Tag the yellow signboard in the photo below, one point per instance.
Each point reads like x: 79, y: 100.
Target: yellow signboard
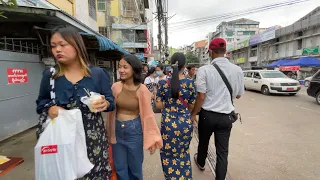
x: 241, y: 60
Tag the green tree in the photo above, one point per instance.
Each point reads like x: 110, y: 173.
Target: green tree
x: 7, y: 3
x: 191, y: 58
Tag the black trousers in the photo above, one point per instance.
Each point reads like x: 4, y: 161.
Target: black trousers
x: 220, y: 125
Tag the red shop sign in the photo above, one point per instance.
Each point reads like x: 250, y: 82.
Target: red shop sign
x: 289, y: 68
x: 17, y: 75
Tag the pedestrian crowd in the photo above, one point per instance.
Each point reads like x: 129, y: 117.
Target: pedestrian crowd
x: 131, y: 104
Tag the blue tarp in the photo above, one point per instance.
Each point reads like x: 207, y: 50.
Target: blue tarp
x: 106, y: 44
x: 140, y: 56
x: 304, y: 62
x: 279, y: 63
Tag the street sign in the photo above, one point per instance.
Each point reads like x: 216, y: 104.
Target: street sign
x: 17, y: 75
x: 289, y: 68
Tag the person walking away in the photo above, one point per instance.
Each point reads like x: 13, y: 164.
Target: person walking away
x: 72, y: 78
x: 160, y: 73
x: 191, y: 72
x: 176, y: 96
x: 132, y: 123
x: 214, y: 100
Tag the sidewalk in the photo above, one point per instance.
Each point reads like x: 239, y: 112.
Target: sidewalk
x: 22, y: 146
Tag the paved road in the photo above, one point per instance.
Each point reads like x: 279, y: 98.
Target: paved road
x: 278, y: 140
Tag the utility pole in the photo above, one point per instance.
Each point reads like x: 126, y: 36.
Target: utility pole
x: 159, y: 14
x: 166, y: 35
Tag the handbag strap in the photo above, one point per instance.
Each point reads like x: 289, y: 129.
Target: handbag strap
x: 52, y: 81
x: 225, y: 80
x: 182, y: 101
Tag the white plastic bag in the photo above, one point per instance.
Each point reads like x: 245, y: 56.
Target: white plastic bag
x: 61, y: 152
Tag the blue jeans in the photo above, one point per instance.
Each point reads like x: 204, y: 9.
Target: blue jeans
x: 128, y: 152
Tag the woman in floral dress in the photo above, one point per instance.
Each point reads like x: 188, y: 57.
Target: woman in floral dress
x: 176, y: 96
x: 73, y: 75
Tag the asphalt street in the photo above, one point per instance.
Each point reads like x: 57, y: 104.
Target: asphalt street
x: 278, y: 140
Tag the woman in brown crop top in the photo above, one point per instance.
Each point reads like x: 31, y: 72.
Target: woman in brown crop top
x: 128, y: 151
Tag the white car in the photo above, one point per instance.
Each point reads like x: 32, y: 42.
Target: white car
x: 270, y: 82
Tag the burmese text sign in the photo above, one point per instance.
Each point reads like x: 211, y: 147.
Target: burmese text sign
x: 17, y: 75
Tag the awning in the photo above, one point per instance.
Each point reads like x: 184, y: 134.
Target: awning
x: 52, y: 17
x: 304, y: 62
x: 278, y: 63
x: 106, y: 44
x: 55, y: 17
x: 140, y: 56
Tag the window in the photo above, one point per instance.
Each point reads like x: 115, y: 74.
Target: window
x: 299, y: 44
x: 256, y: 75
x: 102, y: 5
x: 317, y: 76
x: 92, y: 9
x: 253, y: 53
x: 249, y: 74
x: 103, y: 31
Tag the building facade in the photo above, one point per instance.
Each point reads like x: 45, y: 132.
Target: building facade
x: 236, y: 30
x: 302, y: 38
x: 200, y: 51
x: 128, y: 23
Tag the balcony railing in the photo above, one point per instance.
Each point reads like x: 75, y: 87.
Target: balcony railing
x: 22, y: 45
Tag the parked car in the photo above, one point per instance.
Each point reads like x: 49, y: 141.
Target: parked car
x: 270, y: 82
x: 314, y: 87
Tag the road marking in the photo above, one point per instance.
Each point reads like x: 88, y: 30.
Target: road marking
x: 308, y: 109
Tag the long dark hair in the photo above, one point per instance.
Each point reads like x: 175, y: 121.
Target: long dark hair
x: 72, y: 36
x: 178, y: 61
x: 136, y: 65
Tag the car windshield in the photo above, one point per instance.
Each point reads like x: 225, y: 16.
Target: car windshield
x: 273, y: 74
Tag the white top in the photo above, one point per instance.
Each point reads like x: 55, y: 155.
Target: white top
x: 150, y: 83
x: 210, y: 82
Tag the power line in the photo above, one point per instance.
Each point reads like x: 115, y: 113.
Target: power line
x: 226, y: 16
x: 230, y: 15
x: 264, y: 6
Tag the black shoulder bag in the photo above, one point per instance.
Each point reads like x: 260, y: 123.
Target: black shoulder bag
x: 233, y: 115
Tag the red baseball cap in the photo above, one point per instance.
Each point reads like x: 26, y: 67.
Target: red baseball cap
x: 217, y: 43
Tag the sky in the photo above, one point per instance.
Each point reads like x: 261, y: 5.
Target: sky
x: 191, y: 9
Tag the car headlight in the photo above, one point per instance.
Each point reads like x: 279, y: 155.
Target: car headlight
x: 275, y: 84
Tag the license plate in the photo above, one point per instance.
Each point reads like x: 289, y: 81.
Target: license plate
x: 290, y: 89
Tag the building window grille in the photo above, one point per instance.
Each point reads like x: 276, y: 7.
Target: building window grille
x: 103, y: 31
x: 102, y: 5
x: 92, y: 9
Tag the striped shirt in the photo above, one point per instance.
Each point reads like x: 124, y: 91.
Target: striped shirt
x: 209, y: 81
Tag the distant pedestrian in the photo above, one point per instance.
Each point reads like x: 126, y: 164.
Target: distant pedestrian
x: 176, y: 98
x: 160, y: 73
x: 144, y: 72
x: 191, y: 72
x: 216, y: 104
x: 150, y: 81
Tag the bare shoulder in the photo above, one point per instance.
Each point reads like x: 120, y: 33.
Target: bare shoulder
x: 116, y: 84
x: 143, y: 88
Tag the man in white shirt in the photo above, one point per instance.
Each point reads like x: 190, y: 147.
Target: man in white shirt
x: 214, y: 101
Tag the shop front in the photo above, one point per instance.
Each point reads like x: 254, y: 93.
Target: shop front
x: 24, y: 54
